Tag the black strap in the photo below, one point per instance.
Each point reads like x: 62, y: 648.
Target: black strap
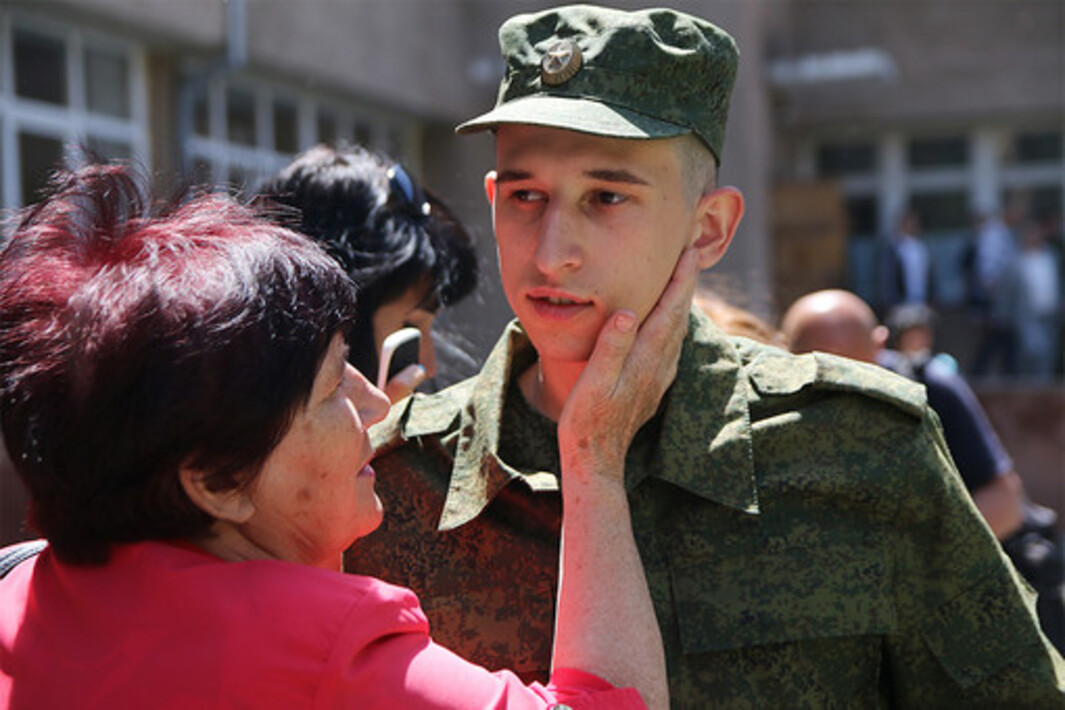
x: 19, y: 552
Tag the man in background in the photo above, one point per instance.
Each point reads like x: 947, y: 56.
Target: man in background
x: 841, y: 323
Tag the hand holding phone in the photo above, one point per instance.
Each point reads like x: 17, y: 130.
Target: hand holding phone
x: 399, y: 351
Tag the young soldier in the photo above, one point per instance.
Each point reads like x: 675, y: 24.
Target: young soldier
x: 806, y: 540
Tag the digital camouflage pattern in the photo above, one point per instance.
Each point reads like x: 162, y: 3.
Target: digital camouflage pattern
x: 646, y: 74
x: 806, y: 539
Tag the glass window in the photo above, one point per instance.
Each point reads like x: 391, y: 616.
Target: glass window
x: 938, y: 152
x: 111, y: 150
x: 327, y: 129
x: 39, y: 156
x: 1046, y: 202
x: 40, y: 67
x: 240, y: 181
x: 107, y: 83
x: 286, y: 127
x: 1040, y: 202
x: 200, y: 172
x: 240, y: 116
x: 201, y: 114
x: 863, y: 215
x: 1038, y: 147
x: 942, y: 211
x: 841, y: 159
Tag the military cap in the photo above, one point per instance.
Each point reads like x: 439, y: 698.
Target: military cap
x: 647, y: 74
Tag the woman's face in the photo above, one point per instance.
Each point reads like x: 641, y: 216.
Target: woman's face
x: 315, y: 493
x: 409, y: 309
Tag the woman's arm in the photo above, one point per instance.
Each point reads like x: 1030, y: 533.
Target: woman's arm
x: 606, y: 622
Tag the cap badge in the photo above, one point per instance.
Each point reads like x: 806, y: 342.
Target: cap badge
x: 561, y: 62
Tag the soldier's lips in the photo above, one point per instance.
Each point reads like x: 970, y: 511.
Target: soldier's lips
x: 557, y: 306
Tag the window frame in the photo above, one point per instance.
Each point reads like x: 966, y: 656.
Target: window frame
x: 72, y: 123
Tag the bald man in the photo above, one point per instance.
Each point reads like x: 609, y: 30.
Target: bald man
x: 841, y: 323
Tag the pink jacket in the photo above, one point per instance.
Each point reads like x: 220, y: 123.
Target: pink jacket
x: 169, y: 626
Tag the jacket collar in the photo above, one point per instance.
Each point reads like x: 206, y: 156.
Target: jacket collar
x: 705, y: 447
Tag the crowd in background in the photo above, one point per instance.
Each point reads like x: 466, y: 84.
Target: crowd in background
x: 1014, y: 298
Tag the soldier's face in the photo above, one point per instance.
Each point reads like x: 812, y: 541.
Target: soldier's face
x: 584, y: 226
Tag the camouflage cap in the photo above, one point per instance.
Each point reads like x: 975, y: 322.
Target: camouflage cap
x: 647, y: 74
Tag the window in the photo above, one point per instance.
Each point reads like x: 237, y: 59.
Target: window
x: 838, y: 160
x: 107, y: 83
x: 327, y: 129
x: 109, y: 149
x: 69, y: 88
x: 931, y: 153
x: 40, y: 67
x: 1041, y: 202
x: 1039, y: 147
x: 286, y: 127
x: 863, y: 215
x: 38, y: 156
x: 245, y: 129
x: 942, y: 211
x: 201, y: 117
x: 240, y: 116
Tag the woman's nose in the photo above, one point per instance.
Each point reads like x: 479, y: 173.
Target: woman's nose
x: 371, y: 403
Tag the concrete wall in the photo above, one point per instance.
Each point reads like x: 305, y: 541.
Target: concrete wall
x: 992, y: 58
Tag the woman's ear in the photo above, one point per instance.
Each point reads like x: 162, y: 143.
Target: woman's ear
x: 719, y: 214
x: 229, y: 504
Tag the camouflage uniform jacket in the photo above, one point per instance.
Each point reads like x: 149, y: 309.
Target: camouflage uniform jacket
x: 806, y: 539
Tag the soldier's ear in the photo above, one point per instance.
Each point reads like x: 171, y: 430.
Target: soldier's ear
x: 718, y: 215
x: 490, y: 186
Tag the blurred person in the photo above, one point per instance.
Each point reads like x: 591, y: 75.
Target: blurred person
x: 403, y: 247
x: 735, y: 320
x: 840, y: 323
x: 905, y: 273
x: 793, y: 557
x: 912, y: 335
x: 179, y: 403
x: 1036, y: 311
x: 988, y: 263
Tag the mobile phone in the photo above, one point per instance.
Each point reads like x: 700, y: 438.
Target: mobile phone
x: 400, y: 350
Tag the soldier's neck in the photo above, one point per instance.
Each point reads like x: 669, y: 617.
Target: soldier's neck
x: 546, y: 385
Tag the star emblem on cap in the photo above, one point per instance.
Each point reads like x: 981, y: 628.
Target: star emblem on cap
x: 560, y: 63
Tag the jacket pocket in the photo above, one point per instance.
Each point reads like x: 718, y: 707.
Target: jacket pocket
x: 781, y: 593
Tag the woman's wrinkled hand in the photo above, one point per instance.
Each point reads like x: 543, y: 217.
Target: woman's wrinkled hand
x: 629, y: 371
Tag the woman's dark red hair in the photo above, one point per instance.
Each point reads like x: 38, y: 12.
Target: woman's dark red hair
x: 135, y: 340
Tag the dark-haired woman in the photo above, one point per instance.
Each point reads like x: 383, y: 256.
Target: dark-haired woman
x: 401, y: 245
x: 177, y: 398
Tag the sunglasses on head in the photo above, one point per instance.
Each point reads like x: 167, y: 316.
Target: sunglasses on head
x: 402, y: 185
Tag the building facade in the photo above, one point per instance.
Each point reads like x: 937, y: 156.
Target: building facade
x: 843, y: 113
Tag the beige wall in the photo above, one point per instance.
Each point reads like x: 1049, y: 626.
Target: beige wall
x: 967, y: 60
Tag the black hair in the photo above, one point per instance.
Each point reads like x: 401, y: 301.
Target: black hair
x: 376, y: 224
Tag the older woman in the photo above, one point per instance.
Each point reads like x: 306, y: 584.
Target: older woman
x: 176, y: 396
